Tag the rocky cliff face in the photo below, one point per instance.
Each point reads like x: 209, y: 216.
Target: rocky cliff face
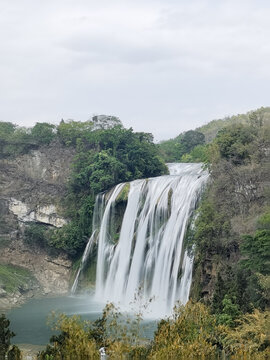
x: 50, y: 274
x: 32, y: 187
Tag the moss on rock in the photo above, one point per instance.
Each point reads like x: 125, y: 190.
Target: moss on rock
x: 123, y: 195
x: 13, y: 278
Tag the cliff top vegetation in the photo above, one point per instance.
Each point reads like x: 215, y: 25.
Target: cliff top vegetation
x: 106, y: 154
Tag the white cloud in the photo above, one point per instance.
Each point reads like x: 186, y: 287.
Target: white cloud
x: 161, y: 66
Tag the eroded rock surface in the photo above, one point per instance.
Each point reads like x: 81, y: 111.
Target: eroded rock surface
x: 32, y: 188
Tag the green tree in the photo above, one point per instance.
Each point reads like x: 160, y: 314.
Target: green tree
x: 5, y: 336
x: 35, y: 234
x: 234, y: 142
x: 43, y: 133
x: 6, y: 130
x: 73, y: 342
x: 170, y: 150
x: 257, y: 250
x: 191, y: 333
x: 105, y: 157
x: 230, y: 312
x: 191, y: 139
x: 71, y: 130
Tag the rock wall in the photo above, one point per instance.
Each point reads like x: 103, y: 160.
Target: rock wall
x: 32, y: 187
x: 52, y: 274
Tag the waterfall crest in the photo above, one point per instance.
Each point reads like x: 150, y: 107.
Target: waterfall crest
x: 149, y: 258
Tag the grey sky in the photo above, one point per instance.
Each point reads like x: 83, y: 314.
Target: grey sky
x: 161, y: 66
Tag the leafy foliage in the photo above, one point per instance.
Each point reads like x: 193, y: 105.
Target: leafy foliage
x: 234, y: 142
x: 6, y: 130
x: 192, y: 332
x: 230, y: 312
x: 257, y: 250
x: 19, y: 140
x: 232, y: 255
x: 36, y: 234
x: 186, y: 147
x: 175, y: 149
x: 70, y: 131
x: 81, y: 339
x: 197, y: 154
x: 191, y: 139
x: 105, y: 157
x: 69, y: 238
x: 249, y: 339
x: 211, y: 129
x: 72, y: 343
x: 6, y: 351
x: 43, y: 133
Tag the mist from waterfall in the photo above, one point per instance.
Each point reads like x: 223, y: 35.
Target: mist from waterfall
x: 148, y: 263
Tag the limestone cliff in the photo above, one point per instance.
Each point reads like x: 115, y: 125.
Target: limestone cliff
x: 32, y: 187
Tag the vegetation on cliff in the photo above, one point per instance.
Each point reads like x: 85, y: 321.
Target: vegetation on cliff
x: 15, y: 140
x: 106, y: 154
x: 104, y: 158
x: 14, y: 278
x: 231, y: 234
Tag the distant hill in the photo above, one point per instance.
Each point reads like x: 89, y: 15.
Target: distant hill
x: 172, y: 150
x: 211, y: 129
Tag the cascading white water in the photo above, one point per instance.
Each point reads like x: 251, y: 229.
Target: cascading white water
x: 98, y: 212
x: 149, y: 257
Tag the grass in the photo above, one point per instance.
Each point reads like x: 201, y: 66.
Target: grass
x: 13, y: 277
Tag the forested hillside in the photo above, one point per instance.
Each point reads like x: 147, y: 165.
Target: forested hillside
x: 232, y: 231
x: 191, y: 146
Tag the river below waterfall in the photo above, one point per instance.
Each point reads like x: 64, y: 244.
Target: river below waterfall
x: 29, y: 322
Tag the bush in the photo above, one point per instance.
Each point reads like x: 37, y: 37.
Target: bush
x: 43, y: 133
x: 7, y: 352
x: 36, y: 235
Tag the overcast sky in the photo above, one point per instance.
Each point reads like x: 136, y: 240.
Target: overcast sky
x: 161, y: 66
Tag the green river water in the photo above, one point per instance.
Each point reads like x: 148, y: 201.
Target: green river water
x: 29, y: 322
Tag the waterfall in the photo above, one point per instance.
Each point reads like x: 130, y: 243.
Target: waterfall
x: 148, y: 261
x: 86, y: 253
x: 98, y: 211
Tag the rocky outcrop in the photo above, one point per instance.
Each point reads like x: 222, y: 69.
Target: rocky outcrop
x: 32, y: 187
x: 20, y: 294
x: 52, y: 273
x: 46, y: 214
x: 38, y: 177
